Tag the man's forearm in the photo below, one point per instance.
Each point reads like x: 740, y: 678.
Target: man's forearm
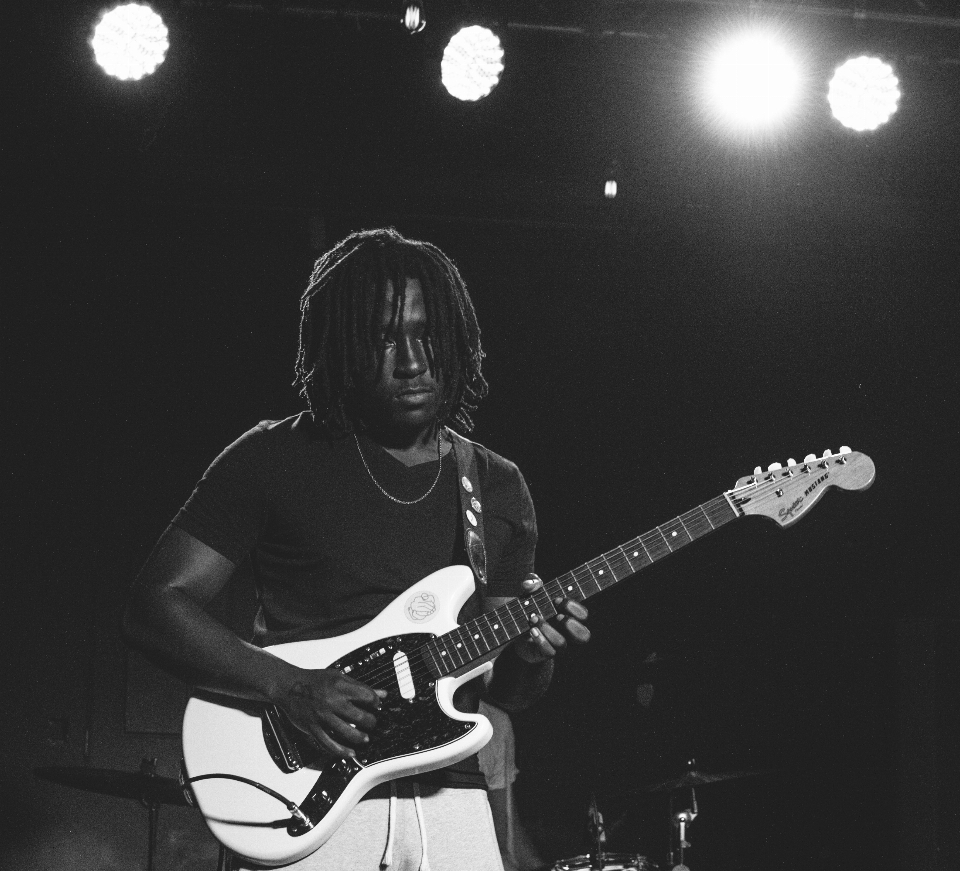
x: 176, y: 633
x: 517, y: 684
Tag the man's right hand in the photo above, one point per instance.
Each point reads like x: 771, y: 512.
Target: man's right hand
x: 336, y: 711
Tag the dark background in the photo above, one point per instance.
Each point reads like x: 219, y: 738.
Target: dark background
x: 739, y: 303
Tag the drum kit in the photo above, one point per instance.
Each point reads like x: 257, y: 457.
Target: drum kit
x: 681, y: 791
x: 151, y: 790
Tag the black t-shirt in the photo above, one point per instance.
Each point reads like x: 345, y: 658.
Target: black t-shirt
x: 329, y: 551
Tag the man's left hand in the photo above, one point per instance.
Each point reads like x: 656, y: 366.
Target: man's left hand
x: 546, y: 638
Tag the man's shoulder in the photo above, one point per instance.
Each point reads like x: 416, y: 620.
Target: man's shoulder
x: 284, y: 437
x: 296, y: 429
x: 489, y: 462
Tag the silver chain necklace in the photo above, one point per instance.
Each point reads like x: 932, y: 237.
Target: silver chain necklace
x: 394, y: 498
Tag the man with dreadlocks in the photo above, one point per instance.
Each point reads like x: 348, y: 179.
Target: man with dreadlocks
x: 341, y: 509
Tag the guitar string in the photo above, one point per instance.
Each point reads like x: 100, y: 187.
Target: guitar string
x: 581, y: 573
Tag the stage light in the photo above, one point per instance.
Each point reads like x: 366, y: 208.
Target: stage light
x: 610, y: 184
x: 130, y: 41
x: 472, y: 63
x: 863, y: 93
x: 752, y: 80
x: 414, y: 16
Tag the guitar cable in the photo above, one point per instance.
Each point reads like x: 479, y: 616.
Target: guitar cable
x: 293, y: 807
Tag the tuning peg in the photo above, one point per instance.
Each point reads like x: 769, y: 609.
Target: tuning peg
x: 773, y: 467
x: 791, y: 462
x: 826, y: 454
x: 810, y: 458
x: 758, y: 471
x: 845, y: 450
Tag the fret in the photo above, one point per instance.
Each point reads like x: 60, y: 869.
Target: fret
x: 466, y: 632
x: 449, y: 647
x: 476, y: 631
x: 676, y: 537
x: 656, y: 545
x: 515, y: 612
x: 489, y: 633
x: 586, y: 580
x: 457, y: 641
x: 634, y: 555
x: 627, y: 559
x: 444, y: 657
x: 570, y: 588
x: 667, y: 543
x: 604, y: 575
x: 433, y: 666
x: 619, y: 564
x: 706, y: 517
x: 496, y: 625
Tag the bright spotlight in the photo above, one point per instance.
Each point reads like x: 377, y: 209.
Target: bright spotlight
x: 863, y: 93
x: 472, y: 63
x: 752, y: 80
x: 130, y: 41
x: 414, y: 18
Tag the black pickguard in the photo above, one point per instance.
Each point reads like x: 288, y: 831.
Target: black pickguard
x: 405, y: 726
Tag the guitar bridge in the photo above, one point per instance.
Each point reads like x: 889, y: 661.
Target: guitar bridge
x: 284, y: 743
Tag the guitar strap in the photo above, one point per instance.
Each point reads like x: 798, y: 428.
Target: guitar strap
x: 471, y: 507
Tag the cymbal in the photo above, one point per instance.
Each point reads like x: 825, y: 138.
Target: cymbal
x: 699, y: 778
x: 123, y: 784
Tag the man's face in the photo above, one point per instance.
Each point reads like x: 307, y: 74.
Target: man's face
x: 404, y: 397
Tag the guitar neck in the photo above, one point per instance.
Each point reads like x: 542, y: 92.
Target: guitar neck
x: 477, y: 638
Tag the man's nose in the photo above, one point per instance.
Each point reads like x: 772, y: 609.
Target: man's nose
x: 411, y: 359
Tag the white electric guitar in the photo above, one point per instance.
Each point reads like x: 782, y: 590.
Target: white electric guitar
x: 269, y: 795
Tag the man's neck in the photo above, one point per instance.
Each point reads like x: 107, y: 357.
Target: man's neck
x: 411, y: 449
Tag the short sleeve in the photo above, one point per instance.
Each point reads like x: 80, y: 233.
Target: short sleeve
x: 229, y: 507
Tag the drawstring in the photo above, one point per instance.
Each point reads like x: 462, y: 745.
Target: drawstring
x: 424, y: 861
x: 387, y: 859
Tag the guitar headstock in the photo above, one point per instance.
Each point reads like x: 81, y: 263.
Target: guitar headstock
x: 786, y: 493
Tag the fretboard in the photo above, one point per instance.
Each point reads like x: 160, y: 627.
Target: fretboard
x: 487, y: 633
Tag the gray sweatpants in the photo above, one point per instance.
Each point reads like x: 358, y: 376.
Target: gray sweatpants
x: 441, y: 830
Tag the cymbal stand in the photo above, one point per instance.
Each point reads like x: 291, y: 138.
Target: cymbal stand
x: 679, y: 821
x: 148, y: 768
x: 598, y: 834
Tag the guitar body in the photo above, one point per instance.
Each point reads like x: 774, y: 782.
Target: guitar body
x: 418, y: 730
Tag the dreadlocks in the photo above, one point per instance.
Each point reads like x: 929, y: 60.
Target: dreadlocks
x: 343, y: 306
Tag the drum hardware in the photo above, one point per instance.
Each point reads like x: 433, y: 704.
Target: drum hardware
x: 680, y: 820
x: 145, y: 786
x: 598, y: 834
x: 598, y: 859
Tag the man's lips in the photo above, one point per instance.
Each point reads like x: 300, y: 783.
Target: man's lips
x: 415, y: 391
